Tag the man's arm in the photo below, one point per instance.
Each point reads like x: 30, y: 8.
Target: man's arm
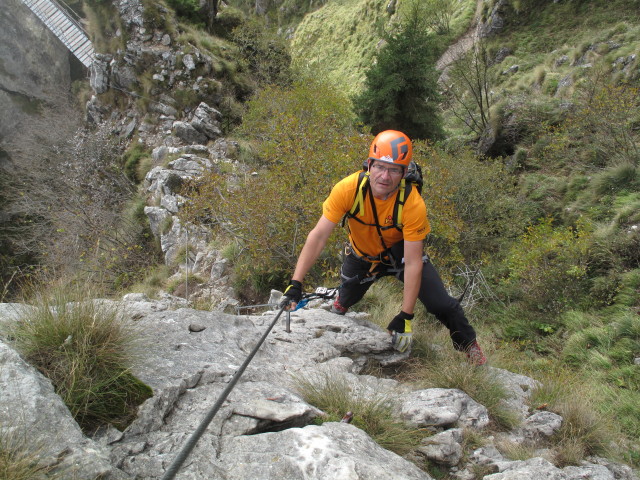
x: 412, y: 274
x: 313, y: 246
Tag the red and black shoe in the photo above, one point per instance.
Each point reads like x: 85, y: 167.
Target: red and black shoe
x: 475, y: 355
x: 338, y: 308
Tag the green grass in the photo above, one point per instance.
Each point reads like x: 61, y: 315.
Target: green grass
x: 19, y: 460
x: 87, y: 351
x: 374, y: 414
x: 434, y: 363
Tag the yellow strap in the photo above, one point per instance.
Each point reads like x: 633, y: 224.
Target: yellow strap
x: 358, y: 204
x: 400, y: 203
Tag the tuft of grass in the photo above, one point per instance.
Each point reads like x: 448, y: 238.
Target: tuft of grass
x: 87, y: 351
x: 184, y: 285
x: 585, y: 430
x: 434, y: 363
x: 154, y: 281
x: 440, y: 366
x: 374, y: 414
x: 583, y: 433
x: 132, y: 160
x: 516, y: 451
x: 232, y: 251
x: 19, y: 460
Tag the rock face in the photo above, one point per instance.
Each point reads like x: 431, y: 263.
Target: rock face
x: 264, y: 429
x: 33, y: 65
x: 28, y: 405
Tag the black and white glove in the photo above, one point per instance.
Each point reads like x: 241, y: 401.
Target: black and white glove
x: 292, y: 294
x: 400, y: 330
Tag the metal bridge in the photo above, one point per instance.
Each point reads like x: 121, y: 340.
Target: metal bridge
x: 61, y: 22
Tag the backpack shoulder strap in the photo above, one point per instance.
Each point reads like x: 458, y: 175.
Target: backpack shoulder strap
x: 403, y: 193
x: 357, y: 209
x: 361, y: 192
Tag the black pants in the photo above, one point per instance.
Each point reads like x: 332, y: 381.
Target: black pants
x: 359, y: 274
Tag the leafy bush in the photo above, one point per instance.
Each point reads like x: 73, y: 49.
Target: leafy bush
x: 599, y: 131
x: 188, y: 9
x: 305, y: 142
x: 86, y: 350
x: 488, y: 210
x: 549, y: 265
x: 264, y: 52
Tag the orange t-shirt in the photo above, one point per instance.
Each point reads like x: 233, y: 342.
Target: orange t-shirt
x: 364, y: 238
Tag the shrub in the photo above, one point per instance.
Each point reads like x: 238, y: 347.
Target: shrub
x: 305, y: 142
x: 471, y: 201
x: 602, y: 124
x: 187, y: 9
x: 154, y: 15
x: 86, y: 350
x: 264, y: 51
x: 73, y: 199
x: 549, y: 263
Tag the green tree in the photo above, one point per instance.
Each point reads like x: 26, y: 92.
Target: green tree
x: 401, y: 89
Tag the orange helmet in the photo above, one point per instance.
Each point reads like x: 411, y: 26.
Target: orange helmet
x: 391, y: 146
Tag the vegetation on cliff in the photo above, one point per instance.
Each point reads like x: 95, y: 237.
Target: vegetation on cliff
x: 534, y: 180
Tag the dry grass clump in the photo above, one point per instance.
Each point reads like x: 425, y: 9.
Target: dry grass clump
x: 19, y: 461
x: 86, y: 350
x: 584, y: 430
x: 374, y: 414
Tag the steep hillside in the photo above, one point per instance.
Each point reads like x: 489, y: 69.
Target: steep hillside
x: 553, y: 44
x: 560, y: 115
x: 542, y: 194
x: 340, y: 39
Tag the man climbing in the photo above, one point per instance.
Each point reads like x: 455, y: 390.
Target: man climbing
x: 387, y: 223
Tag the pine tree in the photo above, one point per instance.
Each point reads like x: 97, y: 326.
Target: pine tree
x: 401, y: 86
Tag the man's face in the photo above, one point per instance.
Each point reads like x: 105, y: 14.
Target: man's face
x: 384, y: 178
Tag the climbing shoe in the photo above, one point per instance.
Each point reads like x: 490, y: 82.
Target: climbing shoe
x: 338, y: 308
x: 475, y: 355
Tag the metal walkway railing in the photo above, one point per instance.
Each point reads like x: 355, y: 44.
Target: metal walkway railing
x: 60, y: 21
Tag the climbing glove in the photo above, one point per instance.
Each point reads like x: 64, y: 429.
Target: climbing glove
x: 292, y: 294
x: 400, y: 329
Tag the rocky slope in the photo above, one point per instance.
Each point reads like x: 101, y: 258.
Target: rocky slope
x: 265, y: 430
